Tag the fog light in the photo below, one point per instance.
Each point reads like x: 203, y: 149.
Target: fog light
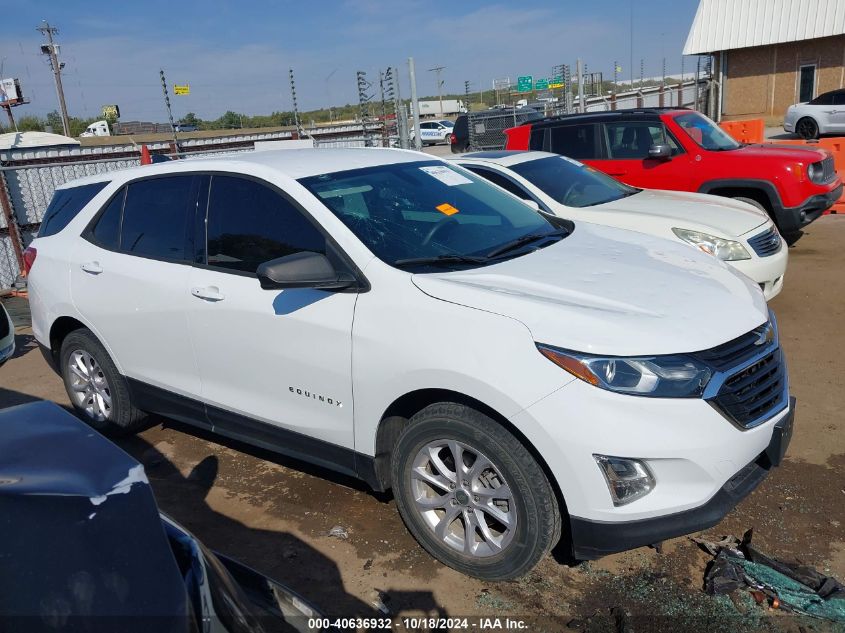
x: 627, y: 479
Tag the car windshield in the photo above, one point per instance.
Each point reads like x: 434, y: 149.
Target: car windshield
x: 427, y: 215
x: 706, y: 133
x: 572, y: 183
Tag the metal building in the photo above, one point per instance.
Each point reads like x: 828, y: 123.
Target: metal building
x: 769, y: 54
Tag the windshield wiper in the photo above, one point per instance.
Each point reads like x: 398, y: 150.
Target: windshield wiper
x: 437, y: 260
x: 526, y: 239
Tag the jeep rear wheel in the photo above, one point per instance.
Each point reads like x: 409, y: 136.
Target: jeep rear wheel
x: 472, y: 495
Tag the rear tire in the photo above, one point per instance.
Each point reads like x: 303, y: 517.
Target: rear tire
x: 807, y: 128
x: 495, y: 517
x: 97, y: 390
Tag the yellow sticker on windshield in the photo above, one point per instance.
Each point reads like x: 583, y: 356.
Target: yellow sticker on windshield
x: 446, y: 209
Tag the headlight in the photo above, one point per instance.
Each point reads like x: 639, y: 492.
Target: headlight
x: 815, y: 172
x: 657, y: 376
x: 726, y: 250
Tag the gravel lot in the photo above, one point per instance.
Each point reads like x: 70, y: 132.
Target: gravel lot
x: 275, y: 514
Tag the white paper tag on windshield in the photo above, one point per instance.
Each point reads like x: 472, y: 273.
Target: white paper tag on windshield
x: 446, y: 176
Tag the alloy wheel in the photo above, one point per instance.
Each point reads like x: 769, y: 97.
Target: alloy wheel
x: 463, y: 498
x: 88, y: 385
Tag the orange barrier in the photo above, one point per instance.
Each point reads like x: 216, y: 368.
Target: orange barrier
x: 146, y: 159
x: 746, y: 131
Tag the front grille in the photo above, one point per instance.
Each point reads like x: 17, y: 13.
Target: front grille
x: 733, y: 353
x: 766, y: 243
x: 753, y: 378
x: 755, y: 392
x: 828, y: 169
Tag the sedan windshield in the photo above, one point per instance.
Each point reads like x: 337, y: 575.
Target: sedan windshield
x: 706, y: 133
x: 572, y: 183
x: 427, y: 216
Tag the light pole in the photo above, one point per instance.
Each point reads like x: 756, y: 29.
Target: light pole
x: 439, y: 86
x: 49, y: 49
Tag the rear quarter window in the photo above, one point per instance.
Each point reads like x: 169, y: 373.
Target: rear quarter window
x: 66, y: 205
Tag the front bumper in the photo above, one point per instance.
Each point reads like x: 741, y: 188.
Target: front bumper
x: 700, y: 461
x: 594, y: 539
x: 768, y: 272
x: 793, y: 219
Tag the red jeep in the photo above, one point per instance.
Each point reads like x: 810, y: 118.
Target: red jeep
x: 683, y: 150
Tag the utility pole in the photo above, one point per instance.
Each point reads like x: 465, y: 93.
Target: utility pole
x: 631, y: 60
x: 299, y: 132
x: 50, y: 49
x: 466, y: 95
x: 580, y: 70
x: 439, y: 86
x: 415, y: 103
x: 169, y: 111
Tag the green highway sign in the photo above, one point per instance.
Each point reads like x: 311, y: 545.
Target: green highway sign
x: 524, y: 83
x: 556, y: 82
x: 541, y: 84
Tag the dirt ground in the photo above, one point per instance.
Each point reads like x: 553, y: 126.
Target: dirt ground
x: 275, y: 514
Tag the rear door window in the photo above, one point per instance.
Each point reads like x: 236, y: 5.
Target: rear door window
x: 66, y: 205
x: 106, y: 231
x: 158, y: 218
x: 575, y: 141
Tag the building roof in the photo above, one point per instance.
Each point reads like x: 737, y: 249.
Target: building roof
x: 29, y: 140
x: 721, y: 25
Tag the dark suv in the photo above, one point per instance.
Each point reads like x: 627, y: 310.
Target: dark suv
x: 683, y: 150
x: 490, y: 126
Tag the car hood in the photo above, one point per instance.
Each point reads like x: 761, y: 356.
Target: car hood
x: 771, y: 151
x: 608, y: 291
x: 722, y: 217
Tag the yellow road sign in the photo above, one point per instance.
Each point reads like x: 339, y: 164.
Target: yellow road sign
x: 182, y: 90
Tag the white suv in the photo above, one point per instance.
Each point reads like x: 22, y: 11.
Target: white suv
x: 397, y: 318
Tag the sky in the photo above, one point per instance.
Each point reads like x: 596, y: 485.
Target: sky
x: 235, y: 55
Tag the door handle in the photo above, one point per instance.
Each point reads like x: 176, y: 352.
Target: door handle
x: 93, y: 268
x: 209, y: 293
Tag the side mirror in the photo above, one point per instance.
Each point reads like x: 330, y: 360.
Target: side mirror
x: 660, y: 151
x: 302, y: 270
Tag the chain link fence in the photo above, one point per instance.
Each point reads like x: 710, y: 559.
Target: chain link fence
x: 486, y: 129
x: 31, y: 179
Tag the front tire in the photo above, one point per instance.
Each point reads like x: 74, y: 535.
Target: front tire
x: 97, y: 390
x: 807, y: 128
x: 472, y: 494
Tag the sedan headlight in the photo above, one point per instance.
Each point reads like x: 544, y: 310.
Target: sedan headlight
x: 672, y: 376
x: 726, y: 250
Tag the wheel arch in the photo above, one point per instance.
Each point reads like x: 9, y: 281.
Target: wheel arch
x: 398, y: 415
x: 762, y: 191
x: 64, y: 325
x: 59, y: 330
